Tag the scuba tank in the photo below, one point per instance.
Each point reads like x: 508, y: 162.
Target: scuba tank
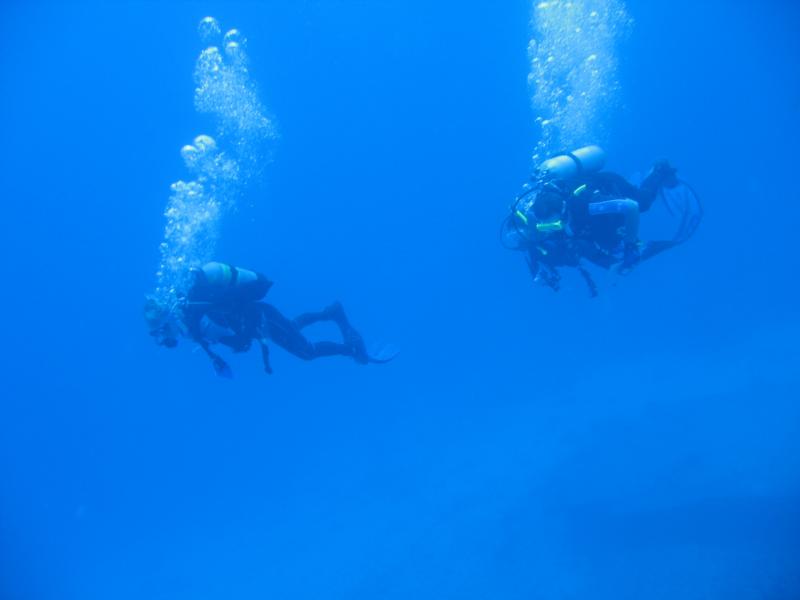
x: 217, y: 282
x: 588, y: 159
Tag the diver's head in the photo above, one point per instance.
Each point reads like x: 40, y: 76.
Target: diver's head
x: 549, y: 203
x: 161, y: 323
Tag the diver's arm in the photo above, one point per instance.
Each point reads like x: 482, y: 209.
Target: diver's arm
x: 616, y: 185
x: 661, y: 175
x: 193, y: 316
x: 260, y: 334
x: 265, y: 355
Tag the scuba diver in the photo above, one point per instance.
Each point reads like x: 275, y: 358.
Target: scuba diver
x: 224, y: 306
x: 574, y: 211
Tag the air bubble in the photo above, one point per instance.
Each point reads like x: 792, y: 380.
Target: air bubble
x: 209, y: 63
x: 209, y: 30
x: 205, y: 144
x: 234, y: 35
x: 190, y: 156
x: 232, y: 48
x: 235, y: 52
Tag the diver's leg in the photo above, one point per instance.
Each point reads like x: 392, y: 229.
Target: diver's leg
x: 332, y: 349
x: 351, y: 338
x: 334, y: 312
x: 265, y: 355
x: 629, y: 209
x: 626, y: 207
x: 287, y: 334
x: 587, y: 277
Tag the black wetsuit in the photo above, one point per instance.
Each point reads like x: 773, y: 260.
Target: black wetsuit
x: 238, y: 320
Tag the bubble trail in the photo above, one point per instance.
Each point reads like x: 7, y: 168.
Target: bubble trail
x: 221, y: 170
x: 573, y: 73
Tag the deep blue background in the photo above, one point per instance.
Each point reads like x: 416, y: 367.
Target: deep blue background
x: 525, y: 445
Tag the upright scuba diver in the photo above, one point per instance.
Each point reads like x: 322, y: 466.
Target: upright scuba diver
x: 224, y: 306
x: 574, y: 211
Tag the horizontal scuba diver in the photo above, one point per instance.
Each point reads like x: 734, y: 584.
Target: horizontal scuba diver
x: 224, y: 306
x: 575, y: 211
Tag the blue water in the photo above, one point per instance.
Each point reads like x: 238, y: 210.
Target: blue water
x: 526, y: 444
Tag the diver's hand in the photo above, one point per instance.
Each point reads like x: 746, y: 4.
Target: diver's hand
x: 664, y: 173
x: 221, y: 368
x: 547, y: 277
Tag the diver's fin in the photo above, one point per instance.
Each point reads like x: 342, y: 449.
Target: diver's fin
x: 684, y: 205
x: 355, y: 342
x: 382, y: 353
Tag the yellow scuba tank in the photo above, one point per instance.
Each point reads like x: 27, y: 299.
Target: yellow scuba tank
x: 588, y: 159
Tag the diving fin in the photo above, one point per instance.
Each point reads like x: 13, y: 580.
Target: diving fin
x: 684, y: 207
x: 382, y: 353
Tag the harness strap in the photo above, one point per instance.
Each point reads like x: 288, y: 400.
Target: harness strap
x: 577, y: 160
